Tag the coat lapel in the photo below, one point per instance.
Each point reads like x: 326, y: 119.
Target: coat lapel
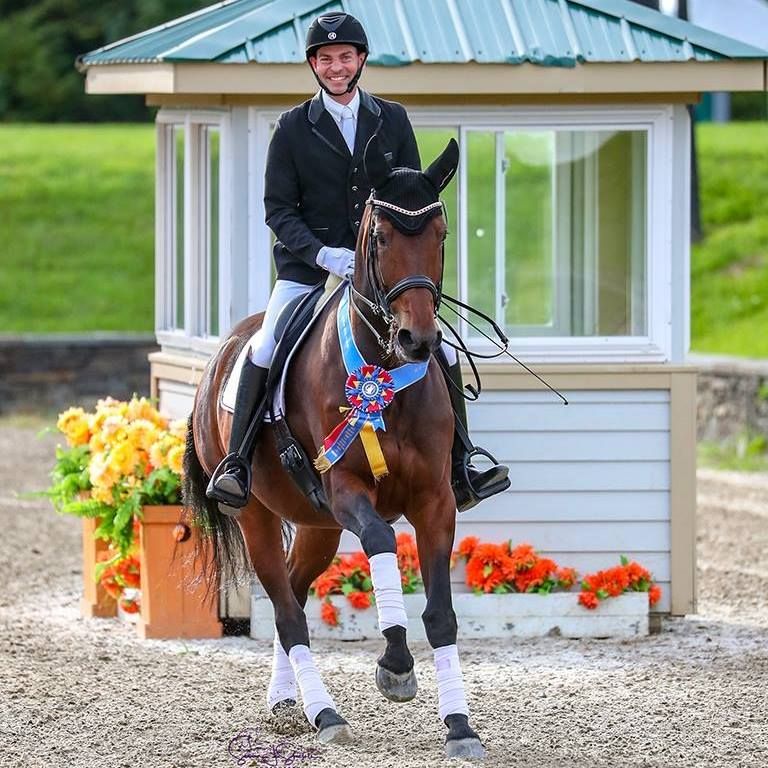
x: 368, y: 122
x: 324, y: 127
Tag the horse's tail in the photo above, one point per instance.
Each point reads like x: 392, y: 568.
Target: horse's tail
x: 220, y: 549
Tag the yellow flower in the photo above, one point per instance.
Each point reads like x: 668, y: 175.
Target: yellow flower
x: 113, y: 429
x: 101, y: 474
x: 142, y: 408
x: 142, y: 434
x: 104, y: 495
x: 157, y: 455
x: 178, y: 428
x: 97, y: 444
x: 74, y: 424
x: 122, y: 458
x: 176, y: 458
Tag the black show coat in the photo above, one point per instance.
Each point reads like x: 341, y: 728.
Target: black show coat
x: 315, y: 190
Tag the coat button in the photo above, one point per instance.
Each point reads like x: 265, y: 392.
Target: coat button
x: 357, y: 223
x: 354, y: 170
x: 354, y: 189
x: 357, y: 205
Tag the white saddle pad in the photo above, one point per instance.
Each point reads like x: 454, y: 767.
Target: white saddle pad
x: 229, y: 393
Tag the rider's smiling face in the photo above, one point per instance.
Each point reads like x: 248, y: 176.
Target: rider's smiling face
x: 336, y: 65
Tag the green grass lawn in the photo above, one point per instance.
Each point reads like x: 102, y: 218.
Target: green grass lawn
x: 76, y: 232
x: 729, y: 276
x: 76, y: 228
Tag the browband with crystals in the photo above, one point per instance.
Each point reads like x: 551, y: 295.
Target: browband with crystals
x: 385, y: 204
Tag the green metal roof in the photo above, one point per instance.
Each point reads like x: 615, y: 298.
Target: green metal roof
x: 554, y: 33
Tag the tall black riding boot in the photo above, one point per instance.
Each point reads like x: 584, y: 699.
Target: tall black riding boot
x: 231, y: 482
x: 470, y: 485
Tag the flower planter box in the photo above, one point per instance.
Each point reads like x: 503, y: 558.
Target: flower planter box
x: 479, y: 616
x: 172, y: 590
x: 95, y: 602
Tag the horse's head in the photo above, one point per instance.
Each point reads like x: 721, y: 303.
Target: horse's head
x: 400, y: 250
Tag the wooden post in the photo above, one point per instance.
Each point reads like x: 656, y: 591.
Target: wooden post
x: 172, y: 590
x: 95, y: 603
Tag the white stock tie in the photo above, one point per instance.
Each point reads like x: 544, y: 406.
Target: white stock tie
x: 348, y: 128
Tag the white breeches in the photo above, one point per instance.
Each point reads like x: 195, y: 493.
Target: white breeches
x: 263, y: 343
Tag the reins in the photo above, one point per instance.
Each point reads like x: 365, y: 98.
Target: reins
x: 380, y: 306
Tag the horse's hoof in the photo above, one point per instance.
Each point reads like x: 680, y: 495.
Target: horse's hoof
x: 286, y: 706
x: 332, y: 728
x: 396, y: 687
x: 465, y: 749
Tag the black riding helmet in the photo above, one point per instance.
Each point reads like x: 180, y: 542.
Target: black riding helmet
x: 336, y: 28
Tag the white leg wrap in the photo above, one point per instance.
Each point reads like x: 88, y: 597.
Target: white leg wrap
x: 388, y: 590
x: 282, y: 684
x: 314, y: 695
x: 450, y: 684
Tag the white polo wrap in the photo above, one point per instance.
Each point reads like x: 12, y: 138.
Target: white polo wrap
x: 314, y: 694
x: 388, y: 590
x: 450, y: 684
x: 282, y: 684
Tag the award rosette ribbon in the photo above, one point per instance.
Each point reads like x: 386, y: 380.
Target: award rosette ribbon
x: 369, y: 390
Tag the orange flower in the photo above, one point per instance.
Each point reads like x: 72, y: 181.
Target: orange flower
x: 467, y: 546
x: 360, y: 600
x: 108, y: 581
x: 486, y: 567
x: 589, y: 600
x: 566, y: 577
x: 654, y: 594
x: 129, y: 605
x: 329, y: 613
x: 535, y: 576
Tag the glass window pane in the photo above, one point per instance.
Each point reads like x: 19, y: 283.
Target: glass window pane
x: 211, y: 136
x: 481, y: 223
x: 529, y: 187
x: 432, y: 141
x: 178, y: 207
x: 569, y: 258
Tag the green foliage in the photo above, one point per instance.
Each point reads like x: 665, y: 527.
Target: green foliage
x: 747, y: 452
x: 40, y: 40
x: 729, y: 269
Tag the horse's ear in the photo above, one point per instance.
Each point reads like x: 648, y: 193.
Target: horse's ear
x: 377, y: 167
x: 442, y: 169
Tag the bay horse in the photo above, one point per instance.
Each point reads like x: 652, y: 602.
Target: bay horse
x: 393, y: 299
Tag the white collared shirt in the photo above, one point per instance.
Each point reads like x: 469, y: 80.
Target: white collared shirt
x: 335, y: 109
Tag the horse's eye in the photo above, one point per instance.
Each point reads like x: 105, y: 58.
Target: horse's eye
x: 381, y: 240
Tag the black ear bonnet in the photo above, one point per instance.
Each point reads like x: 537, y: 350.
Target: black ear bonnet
x: 415, y: 193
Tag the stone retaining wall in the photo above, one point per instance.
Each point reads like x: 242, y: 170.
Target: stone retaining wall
x: 50, y: 373
x: 732, y: 397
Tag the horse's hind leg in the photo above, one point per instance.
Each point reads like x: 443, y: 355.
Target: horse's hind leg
x: 311, y: 553
x: 395, y: 677
x: 262, y: 533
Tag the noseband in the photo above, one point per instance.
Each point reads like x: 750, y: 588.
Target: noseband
x: 383, y: 296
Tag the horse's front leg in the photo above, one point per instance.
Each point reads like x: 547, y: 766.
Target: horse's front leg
x: 353, y: 508
x: 435, y: 526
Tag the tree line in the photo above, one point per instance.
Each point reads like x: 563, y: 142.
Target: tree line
x: 40, y: 40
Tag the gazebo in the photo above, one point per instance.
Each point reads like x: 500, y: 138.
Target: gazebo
x: 570, y: 219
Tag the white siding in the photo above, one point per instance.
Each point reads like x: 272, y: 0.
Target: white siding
x: 590, y: 481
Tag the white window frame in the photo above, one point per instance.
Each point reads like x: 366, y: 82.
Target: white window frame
x: 195, y: 335
x: 656, y: 120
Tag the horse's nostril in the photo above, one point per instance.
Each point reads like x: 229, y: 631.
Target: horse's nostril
x: 405, y: 338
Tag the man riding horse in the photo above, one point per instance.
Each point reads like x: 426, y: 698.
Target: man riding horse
x: 316, y: 189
